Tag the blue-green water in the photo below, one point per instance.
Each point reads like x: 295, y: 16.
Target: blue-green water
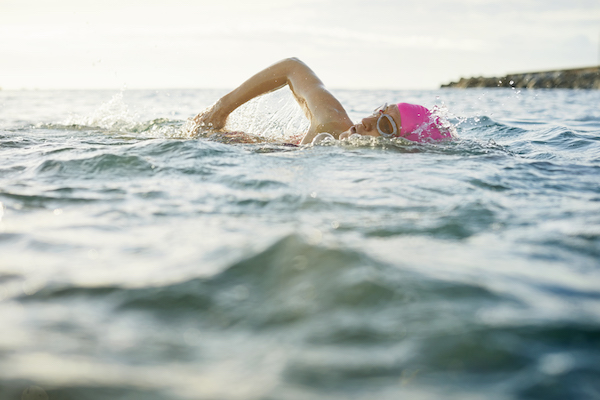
x: 137, y: 262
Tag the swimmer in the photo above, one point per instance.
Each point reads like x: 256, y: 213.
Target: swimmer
x: 325, y: 113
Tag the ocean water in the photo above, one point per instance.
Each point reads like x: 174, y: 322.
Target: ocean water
x: 139, y: 262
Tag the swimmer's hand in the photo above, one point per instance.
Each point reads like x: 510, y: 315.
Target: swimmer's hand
x: 212, y: 117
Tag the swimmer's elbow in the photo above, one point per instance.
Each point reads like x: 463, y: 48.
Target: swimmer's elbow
x: 294, y: 60
x: 300, y: 73
x: 295, y: 64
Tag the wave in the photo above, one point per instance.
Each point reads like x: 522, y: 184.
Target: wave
x: 101, y: 164
x: 289, y: 282
x: 160, y: 128
x: 281, y: 120
x: 355, y: 320
x: 130, y: 159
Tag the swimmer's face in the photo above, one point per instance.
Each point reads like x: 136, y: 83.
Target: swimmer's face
x: 368, y: 125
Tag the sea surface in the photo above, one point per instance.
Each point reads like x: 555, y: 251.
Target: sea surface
x: 139, y: 261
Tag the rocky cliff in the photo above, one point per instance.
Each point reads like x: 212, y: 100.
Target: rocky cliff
x: 579, y: 78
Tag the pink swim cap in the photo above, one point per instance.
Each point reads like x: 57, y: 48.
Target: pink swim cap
x: 418, y: 124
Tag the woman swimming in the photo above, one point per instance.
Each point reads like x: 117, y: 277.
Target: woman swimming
x: 323, y: 110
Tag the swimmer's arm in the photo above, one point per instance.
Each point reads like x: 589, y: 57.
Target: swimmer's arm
x: 270, y: 79
x: 321, y: 107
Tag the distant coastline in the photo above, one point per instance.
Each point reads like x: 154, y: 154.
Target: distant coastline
x: 577, y: 78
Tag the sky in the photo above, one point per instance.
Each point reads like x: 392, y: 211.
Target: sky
x: 351, y: 44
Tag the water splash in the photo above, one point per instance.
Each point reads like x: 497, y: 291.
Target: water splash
x: 275, y: 117
x: 113, y: 115
x: 441, y: 116
x: 116, y: 116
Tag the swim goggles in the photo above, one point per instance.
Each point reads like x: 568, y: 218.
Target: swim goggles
x: 385, y: 123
